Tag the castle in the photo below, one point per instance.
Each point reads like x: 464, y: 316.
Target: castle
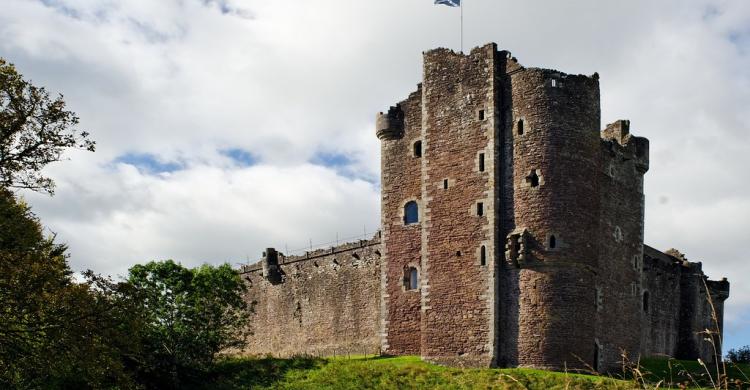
x: 512, y: 235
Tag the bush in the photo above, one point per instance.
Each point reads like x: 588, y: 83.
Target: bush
x: 740, y: 355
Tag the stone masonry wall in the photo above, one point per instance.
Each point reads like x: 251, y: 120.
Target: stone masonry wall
x: 457, y: 286
x: 326, y: 302
x: 620, y: 240
x: 401, y: 182
x: 661, y: 320
x: 548, y: 280
x: 680, y: 307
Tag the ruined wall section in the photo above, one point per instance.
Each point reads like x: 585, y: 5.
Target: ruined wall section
x: 459, y: 196
x: 400, y: 132
x: 619, y: 290
x: 551, y: 259
x: 325, y: 302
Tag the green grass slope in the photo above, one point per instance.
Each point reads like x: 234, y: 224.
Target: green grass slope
x: 389, y: 373
x: 409, y: 372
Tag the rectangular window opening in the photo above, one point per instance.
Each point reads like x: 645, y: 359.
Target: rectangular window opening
x: 481, y: 162
x: 445, y: 184
x: 480, y: 209
x: 481, y: 115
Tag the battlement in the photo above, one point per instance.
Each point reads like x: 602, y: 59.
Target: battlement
x: 270, y: 265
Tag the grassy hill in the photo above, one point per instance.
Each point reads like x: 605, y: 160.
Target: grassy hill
x: 411, y: 373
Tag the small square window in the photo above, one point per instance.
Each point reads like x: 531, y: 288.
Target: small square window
x: 418, y: 149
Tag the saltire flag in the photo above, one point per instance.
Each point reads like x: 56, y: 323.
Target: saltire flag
x: 449, y: 3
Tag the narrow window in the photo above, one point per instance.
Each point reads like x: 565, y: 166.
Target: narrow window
x: 445, y: 184
x: 552, y: 242
x: 481, y: 115
x: 645, y: 302
x: 458, y: 253
x: 418, y: 149
x: 480, y: 209
x: 554, y: 83
x: 533, y: 179
x: 519, y: 127
x: 483, y: 255
x: 481, y: 162
x: 411, y: 213
x: 411, y: 279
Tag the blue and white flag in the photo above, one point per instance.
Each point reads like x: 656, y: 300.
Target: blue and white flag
x: 449, y: 3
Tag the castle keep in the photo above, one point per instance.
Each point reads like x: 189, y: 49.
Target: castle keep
x: 512, y: 235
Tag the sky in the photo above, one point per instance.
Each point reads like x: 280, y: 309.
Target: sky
x: 224, y: 126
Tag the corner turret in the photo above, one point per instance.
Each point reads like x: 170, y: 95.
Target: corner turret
x: 390, y: 126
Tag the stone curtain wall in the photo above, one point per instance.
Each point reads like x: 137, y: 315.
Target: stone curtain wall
x: 325, y: 303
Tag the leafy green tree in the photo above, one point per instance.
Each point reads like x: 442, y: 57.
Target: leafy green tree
x: 192, y: 315
x: 54, y: 331
x: 34, y: 131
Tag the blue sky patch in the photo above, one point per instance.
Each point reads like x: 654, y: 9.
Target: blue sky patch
x: 333, y: 160
x: 149, y: 163
x: 240, y: 156
x: 343, y: 165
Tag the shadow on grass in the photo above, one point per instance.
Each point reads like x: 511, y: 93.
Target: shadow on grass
x: 248, y: 373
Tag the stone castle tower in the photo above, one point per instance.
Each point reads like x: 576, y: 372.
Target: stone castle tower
x: 512, y: 235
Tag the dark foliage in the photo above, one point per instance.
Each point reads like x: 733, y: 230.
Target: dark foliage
x: 739, y: 355
x: 55, y: 332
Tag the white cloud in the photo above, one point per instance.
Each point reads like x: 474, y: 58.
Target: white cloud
x: 291, y: 80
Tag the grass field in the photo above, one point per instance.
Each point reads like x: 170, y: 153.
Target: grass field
x: 411, y: 373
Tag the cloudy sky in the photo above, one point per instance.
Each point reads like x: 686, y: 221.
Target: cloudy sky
x: 227, y: 126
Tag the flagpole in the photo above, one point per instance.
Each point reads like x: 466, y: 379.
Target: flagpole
x: 461, y: 5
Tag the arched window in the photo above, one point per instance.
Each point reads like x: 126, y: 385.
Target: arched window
x: 411, y: 213
x: 645, y: 302
x: 483, y: 255
x: 411, y: 279
x: 418, y: 149
x: 519, y: 127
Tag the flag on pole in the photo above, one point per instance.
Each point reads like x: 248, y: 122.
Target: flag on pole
x: 449, y: 3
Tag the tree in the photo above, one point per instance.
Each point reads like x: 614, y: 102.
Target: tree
x: 34, y: 131
x: 54, y: 331
x: 739, y: 355
x: 191, y: 316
